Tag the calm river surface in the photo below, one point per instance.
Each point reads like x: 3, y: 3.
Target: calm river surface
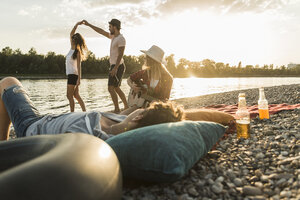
x: 49, y: 95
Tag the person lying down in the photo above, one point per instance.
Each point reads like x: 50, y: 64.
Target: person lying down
x: 17, y: 108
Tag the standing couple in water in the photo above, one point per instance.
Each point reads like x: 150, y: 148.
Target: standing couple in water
x: 154, y: 77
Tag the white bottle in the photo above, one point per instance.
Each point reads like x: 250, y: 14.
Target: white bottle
x: 263, y: 109
x: 242, y: 118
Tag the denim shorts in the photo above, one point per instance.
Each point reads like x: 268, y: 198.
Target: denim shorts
x: 20, y: 109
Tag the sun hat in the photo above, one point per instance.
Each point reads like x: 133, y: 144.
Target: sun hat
x: 155, y: 53
x: 115, y: 22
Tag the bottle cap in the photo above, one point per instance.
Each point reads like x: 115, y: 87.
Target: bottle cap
x: 242, y: 95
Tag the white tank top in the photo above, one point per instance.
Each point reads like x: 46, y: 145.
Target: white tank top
x: 71, y: 64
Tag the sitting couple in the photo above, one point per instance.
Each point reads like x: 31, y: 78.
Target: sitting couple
x: 16, y: 107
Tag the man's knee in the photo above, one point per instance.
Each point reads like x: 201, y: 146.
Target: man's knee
x: 8, y: 81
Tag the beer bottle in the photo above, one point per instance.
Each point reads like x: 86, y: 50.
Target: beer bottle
x: 263, y: 109
x: 242, y: 118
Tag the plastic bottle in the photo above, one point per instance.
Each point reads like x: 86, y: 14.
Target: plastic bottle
x: 242, y: 118
x: 263, y: 109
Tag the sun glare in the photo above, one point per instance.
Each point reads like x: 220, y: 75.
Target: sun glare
x: 198, y: 35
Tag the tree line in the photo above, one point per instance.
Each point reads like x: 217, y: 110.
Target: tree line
x: 14, y: 62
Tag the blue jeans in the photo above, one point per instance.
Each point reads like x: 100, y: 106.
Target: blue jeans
x: 20, y: 109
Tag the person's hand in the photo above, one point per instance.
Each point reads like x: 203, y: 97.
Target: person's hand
x: 85, y: 22
x: 135, y: 88
x: 78, y: 82
x: 113, y: 72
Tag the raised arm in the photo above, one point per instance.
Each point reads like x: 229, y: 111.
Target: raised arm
x: 97, y: 29
x: 73, y: 30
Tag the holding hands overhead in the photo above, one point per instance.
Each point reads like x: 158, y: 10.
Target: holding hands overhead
x: 84, y: 22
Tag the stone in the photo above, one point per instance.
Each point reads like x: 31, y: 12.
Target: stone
x: 251, y: 191
x: 238, y: 182
x: 217, y: 188
x: 192, y: 191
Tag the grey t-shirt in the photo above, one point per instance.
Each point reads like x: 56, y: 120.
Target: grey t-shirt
x: 76, y: 122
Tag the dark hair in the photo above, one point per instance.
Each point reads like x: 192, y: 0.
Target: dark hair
x: 116, y: 23
x: 80, y: 46
x: 161, y: 112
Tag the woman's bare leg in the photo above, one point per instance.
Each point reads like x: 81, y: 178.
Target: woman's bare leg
x: 4, y: 118
x: 79, y: 99
x: 70, y: 94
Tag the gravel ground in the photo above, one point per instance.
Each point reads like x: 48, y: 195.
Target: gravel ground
x: 266, y: 166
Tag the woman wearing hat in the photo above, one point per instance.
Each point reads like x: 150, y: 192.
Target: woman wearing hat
x: 153, y: 82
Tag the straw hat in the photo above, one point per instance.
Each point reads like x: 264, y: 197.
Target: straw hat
x: 155, y: 53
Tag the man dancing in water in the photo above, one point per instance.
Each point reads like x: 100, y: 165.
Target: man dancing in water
x: 117, y: 66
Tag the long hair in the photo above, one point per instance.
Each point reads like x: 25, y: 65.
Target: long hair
x: 154, y: 68
x: 80, y: 46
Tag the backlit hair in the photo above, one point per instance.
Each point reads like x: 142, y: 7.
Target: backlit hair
x: 80, y: 46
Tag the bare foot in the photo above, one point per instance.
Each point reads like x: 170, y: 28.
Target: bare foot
x: 116, y: 111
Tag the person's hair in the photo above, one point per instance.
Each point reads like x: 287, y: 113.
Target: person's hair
x: 80, y: 46
x: 154, y: 68
x: 161, y: 112
x: 117, y: 26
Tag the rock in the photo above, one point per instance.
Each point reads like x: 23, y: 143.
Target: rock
x: 284, y: 153
x: 286, y: 194
x: 251, y: 191
x: 238, y: 182
x: 192, y: 191
x: 288, y: 160
x: 185, y: 197
x: 259, y: 156
x: 217, y: 188
x: 258, y: 198
x: 220, y: 179
x: 258, y: 173
x: 259, y: 184
x: 264, y: 178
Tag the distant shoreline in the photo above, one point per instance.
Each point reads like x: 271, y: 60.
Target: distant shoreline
x: 93, y: 76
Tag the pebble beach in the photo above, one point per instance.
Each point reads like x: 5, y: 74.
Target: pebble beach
x: 266, y: 166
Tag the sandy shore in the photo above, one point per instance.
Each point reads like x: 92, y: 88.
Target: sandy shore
x: 266, y: 166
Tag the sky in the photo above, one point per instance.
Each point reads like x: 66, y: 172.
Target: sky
x: 229, y: 31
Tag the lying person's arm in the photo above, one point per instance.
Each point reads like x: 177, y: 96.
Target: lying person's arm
x: 208, y: 115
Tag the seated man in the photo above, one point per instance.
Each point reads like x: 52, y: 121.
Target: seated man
x: 16, y: 107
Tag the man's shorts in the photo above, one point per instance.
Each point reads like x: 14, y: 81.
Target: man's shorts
x: 72, y: 79
x: 117, y: 79
x: 20, y: 109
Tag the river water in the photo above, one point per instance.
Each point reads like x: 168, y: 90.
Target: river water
x: 49, y: 95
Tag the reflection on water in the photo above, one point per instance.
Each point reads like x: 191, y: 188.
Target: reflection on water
x: 49, y: 96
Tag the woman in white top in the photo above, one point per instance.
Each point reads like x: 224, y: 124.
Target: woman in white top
x: 73, y: 67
